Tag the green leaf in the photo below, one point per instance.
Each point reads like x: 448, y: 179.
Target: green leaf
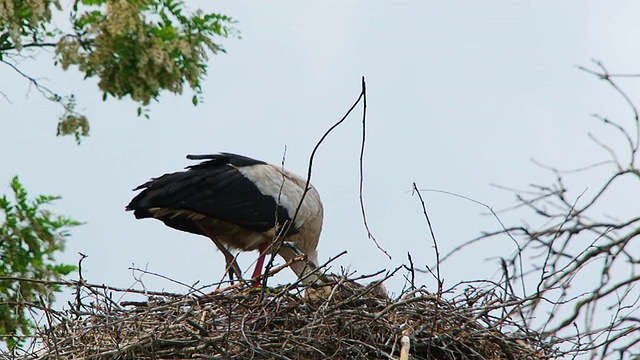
x: 93, y: 2
x: 30, y: 238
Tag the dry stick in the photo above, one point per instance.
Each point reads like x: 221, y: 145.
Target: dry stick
x: 636, y: 116
x: 190, y: 287
x: 401, y: 303
x: 558, y: 171
x: 558, y: 233
x: 508, y: 287
x: 277, y: 236
x: 108, y: 300
x: 288, y: 227
x: 271, y: 272
x: 97, y: 286
x: 618, y: 127
x: 316, y: 270
x: 367, y: 276
x: 435, y: 246
x: 588, y: 300
x: 277, y: 242
x: 49, y: 329
x: 411, y: 271
x: 361, y: 162
x: 504, y: 229
x: 313, y: 154
x: 433, y: 237
x: 368, y: 290
x: 80, y: 281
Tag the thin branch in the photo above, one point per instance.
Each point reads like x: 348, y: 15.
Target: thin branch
x: 361, y: 163
x: 433, y: 237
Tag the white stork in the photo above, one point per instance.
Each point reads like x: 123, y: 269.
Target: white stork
x: 239, y: 203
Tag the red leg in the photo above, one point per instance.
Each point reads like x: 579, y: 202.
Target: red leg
x: 260, y: 262
x: 232, y: 264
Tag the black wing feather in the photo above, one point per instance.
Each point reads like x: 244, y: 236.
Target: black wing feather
x: 213, y: 188
x: 223, y: 159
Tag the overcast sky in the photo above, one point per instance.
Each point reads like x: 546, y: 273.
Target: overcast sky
x: 460, y: 96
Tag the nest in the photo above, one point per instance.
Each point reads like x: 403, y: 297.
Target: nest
x: 343, y: 320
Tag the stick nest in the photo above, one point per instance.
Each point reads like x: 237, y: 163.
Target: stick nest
x: 341, y: 321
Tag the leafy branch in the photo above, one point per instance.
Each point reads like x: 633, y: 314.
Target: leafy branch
x: 30, y: 236
x: 136, y: 49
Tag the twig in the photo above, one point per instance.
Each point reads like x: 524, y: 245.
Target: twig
x: 433, y: 237
x: 361, y: 164
x: 313, y: 154
x: 191, y: 288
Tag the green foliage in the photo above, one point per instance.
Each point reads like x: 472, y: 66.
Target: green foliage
x: 71, y: 122
x: 25, y: 20
x: 136, y: 48
x: 30, y: 236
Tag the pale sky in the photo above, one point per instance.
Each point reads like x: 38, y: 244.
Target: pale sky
x: 461, y: 95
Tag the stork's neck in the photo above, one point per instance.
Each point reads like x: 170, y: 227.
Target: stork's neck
x: 304, y: 269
